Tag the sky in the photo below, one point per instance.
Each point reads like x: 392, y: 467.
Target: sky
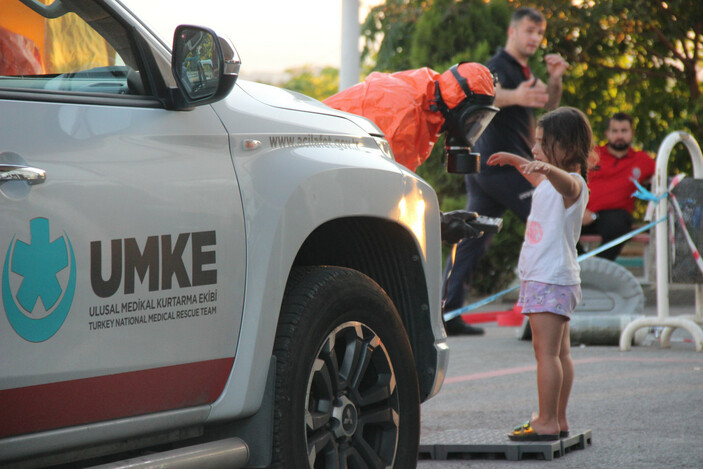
x: 269, y: 35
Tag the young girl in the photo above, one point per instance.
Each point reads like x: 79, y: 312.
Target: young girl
x: 549, y: 272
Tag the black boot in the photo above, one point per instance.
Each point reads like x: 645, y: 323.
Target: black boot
x: 457, y: 326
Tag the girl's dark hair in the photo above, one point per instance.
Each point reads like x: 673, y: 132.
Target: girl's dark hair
x: 566, y: 131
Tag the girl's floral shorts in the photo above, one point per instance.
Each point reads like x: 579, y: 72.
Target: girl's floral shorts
x: 537, y: 297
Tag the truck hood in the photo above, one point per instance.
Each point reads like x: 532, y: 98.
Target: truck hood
x: 286, y: 99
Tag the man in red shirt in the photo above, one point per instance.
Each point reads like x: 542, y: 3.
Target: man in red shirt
x: 609, y: 210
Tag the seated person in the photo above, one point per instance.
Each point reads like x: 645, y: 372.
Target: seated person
x: 609, y: 210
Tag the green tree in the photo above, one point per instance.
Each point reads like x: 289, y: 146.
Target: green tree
x: 640, y: 57
x: 387, y: 33
x: 316, y: 83
x: 452, y: 31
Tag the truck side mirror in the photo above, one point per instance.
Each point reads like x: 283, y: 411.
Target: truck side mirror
x: 204, y: 65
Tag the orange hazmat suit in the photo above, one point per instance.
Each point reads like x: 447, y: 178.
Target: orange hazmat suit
x: 402, y: 105
x: 18, y: 55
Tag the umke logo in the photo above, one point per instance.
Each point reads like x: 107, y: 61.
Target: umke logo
x: 36, y: 271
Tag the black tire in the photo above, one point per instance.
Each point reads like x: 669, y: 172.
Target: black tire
x: 609, y: 288
x: 346, y: 386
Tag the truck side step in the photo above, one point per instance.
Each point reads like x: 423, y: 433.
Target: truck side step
x: 228, y: 453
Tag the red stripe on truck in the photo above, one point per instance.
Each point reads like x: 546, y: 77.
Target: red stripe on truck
x: 82, y: 401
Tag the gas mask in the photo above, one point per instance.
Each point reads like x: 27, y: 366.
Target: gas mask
x: 464, y: 123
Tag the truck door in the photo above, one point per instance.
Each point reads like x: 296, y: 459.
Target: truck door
x: 121, y: 233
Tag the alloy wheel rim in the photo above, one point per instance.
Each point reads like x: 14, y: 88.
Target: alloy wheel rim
x: 352, y: 403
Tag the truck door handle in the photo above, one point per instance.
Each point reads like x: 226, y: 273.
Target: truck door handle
x: 16, y: 172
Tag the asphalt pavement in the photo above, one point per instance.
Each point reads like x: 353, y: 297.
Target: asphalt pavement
x: 644, y: 407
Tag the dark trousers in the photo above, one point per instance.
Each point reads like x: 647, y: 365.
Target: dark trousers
x: 489, y: 194
x: 610, y: 224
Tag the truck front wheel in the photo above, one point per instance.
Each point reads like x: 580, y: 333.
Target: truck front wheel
x: 346, y: 386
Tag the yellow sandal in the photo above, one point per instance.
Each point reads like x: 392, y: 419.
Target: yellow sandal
x: 525, y: 432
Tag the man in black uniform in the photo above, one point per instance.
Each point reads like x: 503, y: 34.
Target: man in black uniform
x: 496, y: 189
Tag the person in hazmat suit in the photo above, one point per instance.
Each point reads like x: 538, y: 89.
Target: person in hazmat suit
x: 413, y: 108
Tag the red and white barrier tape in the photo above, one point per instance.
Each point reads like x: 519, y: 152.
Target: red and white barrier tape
x: 684, y: 229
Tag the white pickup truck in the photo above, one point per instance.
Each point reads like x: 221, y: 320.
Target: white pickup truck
x: 200, y: 272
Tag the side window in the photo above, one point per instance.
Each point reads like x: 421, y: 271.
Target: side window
x: 67, y: 53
